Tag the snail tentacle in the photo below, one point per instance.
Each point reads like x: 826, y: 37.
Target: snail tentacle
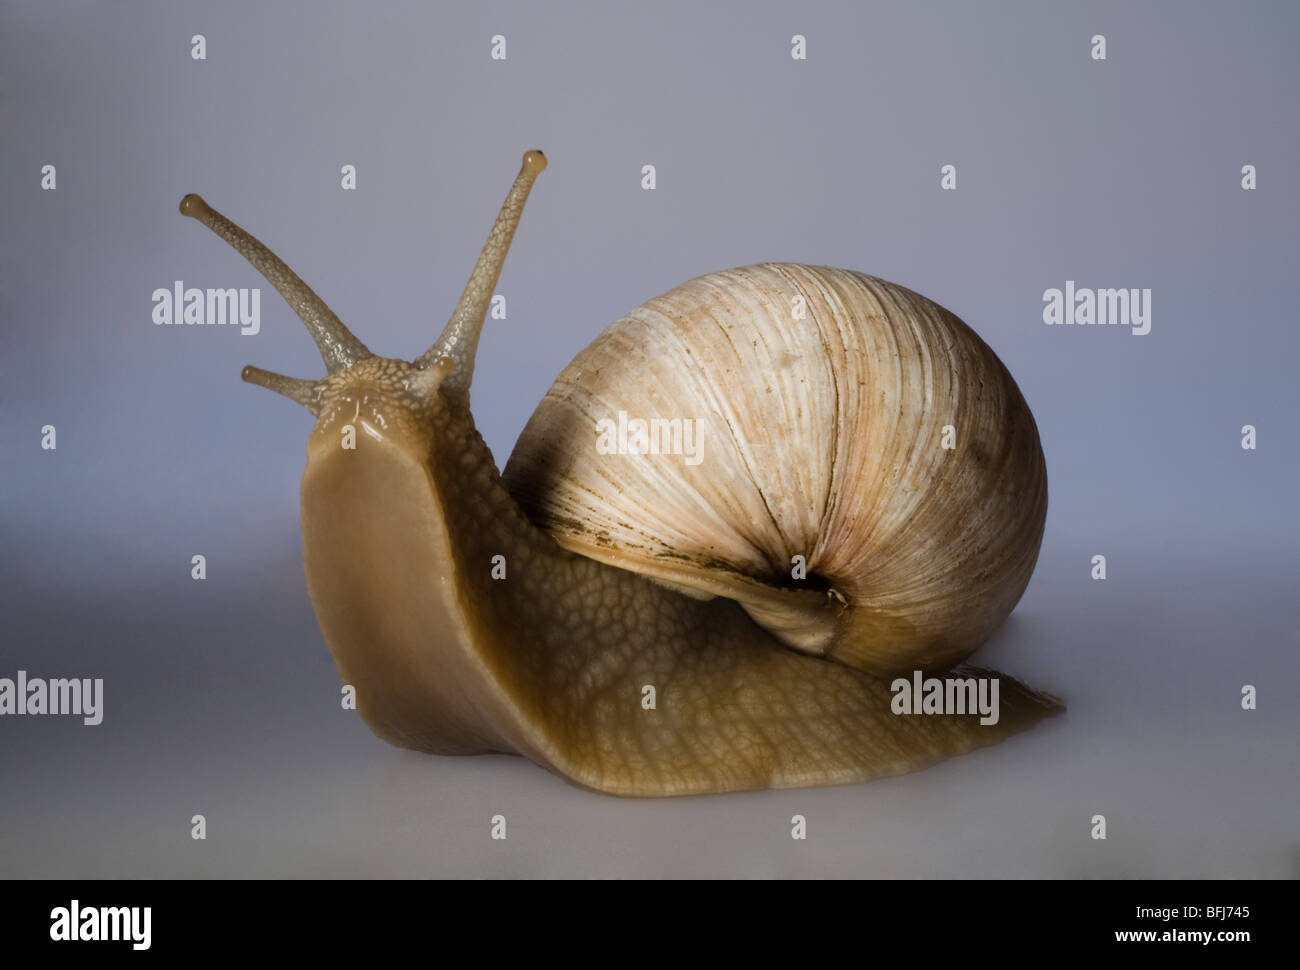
x: 338, y: 346
x: 304, y: 392
x: 459, y: 339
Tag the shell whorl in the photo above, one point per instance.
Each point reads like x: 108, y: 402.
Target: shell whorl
x: 822, y: 436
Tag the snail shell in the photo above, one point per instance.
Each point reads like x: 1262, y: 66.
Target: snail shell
x: 822, y: 436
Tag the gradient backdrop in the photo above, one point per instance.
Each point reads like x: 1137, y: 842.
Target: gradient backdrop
x: 220, y: 697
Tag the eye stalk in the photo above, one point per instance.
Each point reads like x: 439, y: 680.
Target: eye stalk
x: 448, y: 364
x: 338, y: 347
x: 459, y: 339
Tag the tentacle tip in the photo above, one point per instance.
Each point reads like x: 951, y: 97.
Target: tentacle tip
x: 534, y: 162
x: 248, y: 374
x: 194, y: 206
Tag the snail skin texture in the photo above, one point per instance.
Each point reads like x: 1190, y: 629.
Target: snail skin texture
x: 821, y: 438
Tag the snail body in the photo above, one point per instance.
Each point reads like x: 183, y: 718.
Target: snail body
x: 534, y: 613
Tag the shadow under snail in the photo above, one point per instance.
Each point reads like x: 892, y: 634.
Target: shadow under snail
x: 628, y: 575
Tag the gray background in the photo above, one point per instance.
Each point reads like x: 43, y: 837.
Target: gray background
x: 221, y: 698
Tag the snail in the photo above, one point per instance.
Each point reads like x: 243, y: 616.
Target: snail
x: 631, y: 620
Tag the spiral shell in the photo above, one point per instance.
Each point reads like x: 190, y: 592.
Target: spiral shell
x: 822, y: 435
